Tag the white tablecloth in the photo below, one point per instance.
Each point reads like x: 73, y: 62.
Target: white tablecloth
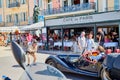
x: 66, y: 43
x: 111, y: 44
x: 40, y: 44
x: 58, y: 44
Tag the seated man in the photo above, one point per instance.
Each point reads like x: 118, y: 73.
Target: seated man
x: 95, y: 58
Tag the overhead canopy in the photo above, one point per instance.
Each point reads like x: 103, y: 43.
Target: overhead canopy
x: 8, y: 29
x: 22, y: 28
x: 33, y: 26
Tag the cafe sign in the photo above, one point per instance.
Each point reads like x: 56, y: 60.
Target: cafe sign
x: 100, y: 17
x: 78, y: 19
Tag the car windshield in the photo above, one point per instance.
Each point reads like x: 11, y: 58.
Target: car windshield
x: 70, y: 58
x: 43, y: 71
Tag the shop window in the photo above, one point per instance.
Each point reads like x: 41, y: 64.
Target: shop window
x: 7, y: 3
x: 49, y: 4
x: 116, y: 4
x: 0, y: 3
x: 65, y: 3
x: 23, y: 16
x: 40, y: 3
x: 23, y: 1
x: 16, y: 18
x: 12, y: 3
x: 75, y: 2
x: 85, y: 1
x: 0, y: 18
x: 9, y: 18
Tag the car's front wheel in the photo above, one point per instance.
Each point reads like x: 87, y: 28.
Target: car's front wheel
x: 105, y: 75
x: 51, y: 62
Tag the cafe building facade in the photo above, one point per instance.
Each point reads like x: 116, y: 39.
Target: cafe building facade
x: 73, y: 16
x: 109, y: 21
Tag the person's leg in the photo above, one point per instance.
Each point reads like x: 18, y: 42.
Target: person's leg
x: 34, y: 56
x: 28, y: 58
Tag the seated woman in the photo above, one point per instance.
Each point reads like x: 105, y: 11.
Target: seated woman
x: 100, y: 51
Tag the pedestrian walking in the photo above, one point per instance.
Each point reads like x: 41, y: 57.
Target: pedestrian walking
x: 31, y: 51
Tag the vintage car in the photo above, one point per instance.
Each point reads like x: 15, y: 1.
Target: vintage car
x: 106, y: 68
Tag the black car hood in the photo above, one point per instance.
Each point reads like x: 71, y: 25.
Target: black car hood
x: 116, y: 63
x: 109, y: 60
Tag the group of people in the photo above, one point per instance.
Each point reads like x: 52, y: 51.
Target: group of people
x: 90, y: 46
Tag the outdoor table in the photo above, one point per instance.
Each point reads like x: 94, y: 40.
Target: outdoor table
x: 40, y: 44
x: 111, y: 44
x: 65, y: 43
x: 58, y: 43
x: 68, y: 43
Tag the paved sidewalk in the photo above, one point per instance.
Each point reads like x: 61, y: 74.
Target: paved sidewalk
x: 8, y: 65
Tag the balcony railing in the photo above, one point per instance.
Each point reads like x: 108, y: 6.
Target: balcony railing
x: 73, y: 8
x: 15, y: 4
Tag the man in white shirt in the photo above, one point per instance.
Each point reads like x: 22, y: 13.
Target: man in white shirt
x: 82, y: 41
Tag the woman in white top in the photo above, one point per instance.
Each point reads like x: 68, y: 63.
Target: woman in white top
x: 90, y: 43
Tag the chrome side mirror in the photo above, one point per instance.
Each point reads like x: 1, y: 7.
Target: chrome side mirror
x: 19, y: 55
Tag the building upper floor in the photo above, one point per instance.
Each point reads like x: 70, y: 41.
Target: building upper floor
x: 16, y: 12
x: 12, y: 3
x: 17, y: 19
x: 72, y: 7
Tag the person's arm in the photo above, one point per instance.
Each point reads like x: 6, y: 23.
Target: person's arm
x: 93, y: 43
x: 99, y: 39
x: 79, y: 45
x: 29, y: 48
x: 35, y: 49
x: 27, y: 39
x: 86, y: 43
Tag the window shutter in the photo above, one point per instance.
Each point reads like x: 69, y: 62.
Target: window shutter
x: 0, y: 18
